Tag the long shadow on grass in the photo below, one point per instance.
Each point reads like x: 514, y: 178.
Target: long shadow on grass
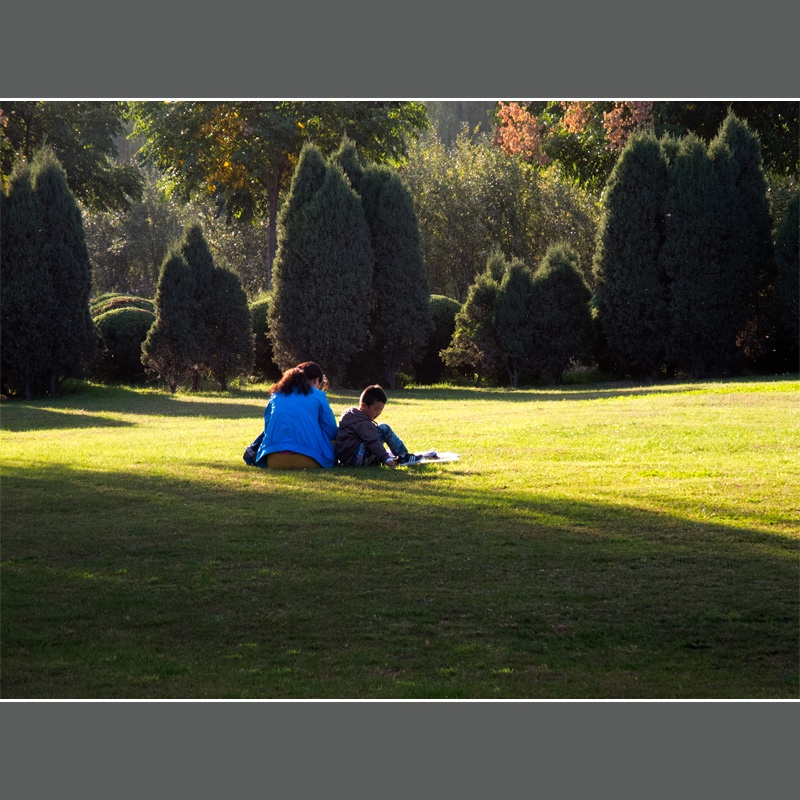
x: 35, y: 419
x: 340, y: 583
x: 22, y: 415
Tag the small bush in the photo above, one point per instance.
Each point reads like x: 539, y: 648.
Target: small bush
x: 123, y: 330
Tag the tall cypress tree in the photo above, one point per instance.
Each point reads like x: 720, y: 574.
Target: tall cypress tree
x: 227, y: 315
x: 73, y: 338
x: 691, y: 256
x: 400, y: 321
x: 631, y: 293
x: 197, y: 255
x: 170, y: 348
x: 27, y: 296
x: 703, y: 258
x: 287, y: 269
x: 513, y: 319
x: 561, y: 319
x: 786, y: 302
x: 746, y: 246
x: 322, y: 278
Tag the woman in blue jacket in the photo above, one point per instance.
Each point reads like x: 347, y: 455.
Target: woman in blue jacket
x: 299, y: 425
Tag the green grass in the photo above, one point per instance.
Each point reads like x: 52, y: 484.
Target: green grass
x: 602, y: 541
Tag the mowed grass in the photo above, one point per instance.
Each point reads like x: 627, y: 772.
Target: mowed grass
x: 604, y: 541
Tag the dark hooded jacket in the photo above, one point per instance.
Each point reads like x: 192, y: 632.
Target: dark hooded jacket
x: 356, y: 427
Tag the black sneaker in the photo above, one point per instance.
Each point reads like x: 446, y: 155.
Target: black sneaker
x: 408, y: 459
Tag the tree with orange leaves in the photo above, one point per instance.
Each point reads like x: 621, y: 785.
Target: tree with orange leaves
x: 583, y: 137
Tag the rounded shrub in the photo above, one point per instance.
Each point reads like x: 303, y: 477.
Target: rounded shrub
x: 123, y: 330
x: 112, y: 302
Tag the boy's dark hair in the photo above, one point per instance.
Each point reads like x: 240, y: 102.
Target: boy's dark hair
x: 373, y: 394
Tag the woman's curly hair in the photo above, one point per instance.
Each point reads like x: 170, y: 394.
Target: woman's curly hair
x: 299, y: 378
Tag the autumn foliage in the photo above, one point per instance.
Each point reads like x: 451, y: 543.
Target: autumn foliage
x: 521, y: 133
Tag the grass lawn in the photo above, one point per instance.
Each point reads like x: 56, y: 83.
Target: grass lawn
x: 602, y: 541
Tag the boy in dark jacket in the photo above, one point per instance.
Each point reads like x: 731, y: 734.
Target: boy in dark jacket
x: 360, y: 440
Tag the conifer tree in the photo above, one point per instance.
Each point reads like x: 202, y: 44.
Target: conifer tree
x: 746, y: 247
x: 631, y: 290
x: 197, y: 255
x: 692, y: 258
x: 307, y: 180
x: 400, y: 320
x: 73, y: 338
x: 170, y: 348
x: 227, y: 315
x: 786, y: 299
x: 561, y: 318
x: 27, y: 295
x: 475, y: 345
x: 351, y: 162
x: 322, y: 277
x: 496, y: 265
x: 513, y: 319
x: 308, y: 177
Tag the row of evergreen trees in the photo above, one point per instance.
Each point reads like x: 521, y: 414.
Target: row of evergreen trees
x: 687, y: 278
x: 47, y: 332
x: 349, y: 285
x: 521, y: 324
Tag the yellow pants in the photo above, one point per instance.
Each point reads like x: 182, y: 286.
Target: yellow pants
x: 291, y: 461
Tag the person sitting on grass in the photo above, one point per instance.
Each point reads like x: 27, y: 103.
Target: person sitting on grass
x: 361, y: 442
x: 299, y: 425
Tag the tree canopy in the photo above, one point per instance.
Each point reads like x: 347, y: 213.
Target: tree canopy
x: 81, y: 135
x: 584, y: 138
x: 243, y: 154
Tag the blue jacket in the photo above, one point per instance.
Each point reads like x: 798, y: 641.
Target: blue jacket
x: 302, y: 423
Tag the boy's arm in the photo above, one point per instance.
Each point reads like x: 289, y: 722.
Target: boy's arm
x: 368, y: 433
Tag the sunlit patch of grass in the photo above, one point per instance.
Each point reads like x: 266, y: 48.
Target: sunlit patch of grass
x: 594, y: 541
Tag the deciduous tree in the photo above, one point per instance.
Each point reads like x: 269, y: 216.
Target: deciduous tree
x: 468, y: 199
x: 243, y: 153
x: 81, y: 135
